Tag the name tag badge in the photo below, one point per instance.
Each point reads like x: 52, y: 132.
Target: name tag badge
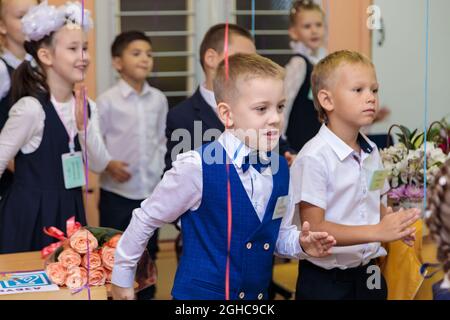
x: 73, y: 170
x: 378, y: 179
x: 310, y: 95
x: 280, y: 207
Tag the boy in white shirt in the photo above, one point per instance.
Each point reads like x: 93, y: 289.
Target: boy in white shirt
x: 132, y: 123
x: 338, y: 181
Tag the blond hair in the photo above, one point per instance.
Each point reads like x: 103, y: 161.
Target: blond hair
x: 438, y: 199
x: 325, y: 70
x: 243, y: 66
x: 300, y: 6
x: 2, y: 40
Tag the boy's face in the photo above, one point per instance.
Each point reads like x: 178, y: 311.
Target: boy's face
x: 257, y: 112
x: 309, y: 28
x: 353, y: 96
x: 136, y: 61
x: 237, y: 44
x: 10, y: 19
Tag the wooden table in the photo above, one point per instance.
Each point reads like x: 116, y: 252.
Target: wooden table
x: 32, y: 261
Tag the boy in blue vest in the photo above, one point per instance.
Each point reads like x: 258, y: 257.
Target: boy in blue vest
x: 229, y: 234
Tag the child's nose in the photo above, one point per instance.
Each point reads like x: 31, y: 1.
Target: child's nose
x: 371, y: 98
x: 275, y: 118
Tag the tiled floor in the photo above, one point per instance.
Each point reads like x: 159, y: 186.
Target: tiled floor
x: 285, y: 274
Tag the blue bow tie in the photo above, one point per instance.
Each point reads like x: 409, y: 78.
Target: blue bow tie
x: 254, y: 160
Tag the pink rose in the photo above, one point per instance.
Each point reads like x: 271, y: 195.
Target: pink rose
x: 76, y: 278
x: 69, y: 258
x: 79, y: 241
x: 112, y: 243
x: 97, y: 277
x: 95, y: 260
x: 108, y: 257
x: 56, y: 272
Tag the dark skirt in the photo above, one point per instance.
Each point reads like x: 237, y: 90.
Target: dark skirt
x: 25, y: 211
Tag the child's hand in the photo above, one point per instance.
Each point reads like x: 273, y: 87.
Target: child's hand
x: 396, y: 226
x: 316, y: 244
x: 290, y: 157
x: 118, y: 171
x: 409, y: 239
x: 119, y: 293
x: 79, y: 107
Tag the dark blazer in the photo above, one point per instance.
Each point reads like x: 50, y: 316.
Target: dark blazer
x: 184, y: 115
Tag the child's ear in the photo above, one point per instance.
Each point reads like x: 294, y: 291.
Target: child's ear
x: 211, y: 59
x: 225, y: 114
x: 117, y: 64
x: 325, y: 100
x: 2, y: 28
x: 293, y: 34
x: 45, y: 56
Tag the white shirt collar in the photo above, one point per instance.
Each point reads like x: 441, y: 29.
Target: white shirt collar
x: 446, y: 282
x: 235, y: 148
x: 342, y: 149
x: 299, y: 47
x: 209, y: 97
x: 128, y: 90
x: 11, y: 59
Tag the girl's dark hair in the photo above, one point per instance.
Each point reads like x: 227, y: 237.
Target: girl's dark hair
x: 438, y: 222
x: 29, y: 80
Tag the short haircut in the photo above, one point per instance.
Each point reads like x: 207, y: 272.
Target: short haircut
x: 300, y: 6
x: 325, y: 70
x: 215, y: 38
x: 122, y: 41
x: 243, y: 66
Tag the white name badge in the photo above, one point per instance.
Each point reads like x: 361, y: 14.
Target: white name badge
x: 280, y: 207
x: 310, y: 95
x: 73, y: 170
x: 378, y: 179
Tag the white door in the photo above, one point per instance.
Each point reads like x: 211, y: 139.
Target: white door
x: 400, y: 61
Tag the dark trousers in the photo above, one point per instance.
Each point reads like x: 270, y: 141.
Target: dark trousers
x: 116, y: 212
x: 316, y: 283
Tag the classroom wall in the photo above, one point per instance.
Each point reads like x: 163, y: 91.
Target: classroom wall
x: 400, y: 61
x: 347, y: 25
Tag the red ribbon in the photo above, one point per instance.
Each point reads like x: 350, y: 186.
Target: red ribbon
x: 71, y: 227
x: 229, y: 209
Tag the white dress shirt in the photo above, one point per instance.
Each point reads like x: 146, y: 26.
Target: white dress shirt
x: 133, y: 127
x: 296, y: 74
x: 181, y: 190
x: 327, y: 174
x: 5, y: 81
x: 209, y: 97
x: 25, y: 127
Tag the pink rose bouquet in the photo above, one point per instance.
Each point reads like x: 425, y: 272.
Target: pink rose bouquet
x: 86, y: 257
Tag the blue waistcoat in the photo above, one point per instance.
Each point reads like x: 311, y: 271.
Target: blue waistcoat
x: 201, y: 271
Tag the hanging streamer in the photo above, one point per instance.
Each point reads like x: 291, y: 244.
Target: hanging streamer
x: 253, y: 18
x: 425, y: 124
x: 225, y: 49
x: 229, y: 208
x: 85, y: 155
